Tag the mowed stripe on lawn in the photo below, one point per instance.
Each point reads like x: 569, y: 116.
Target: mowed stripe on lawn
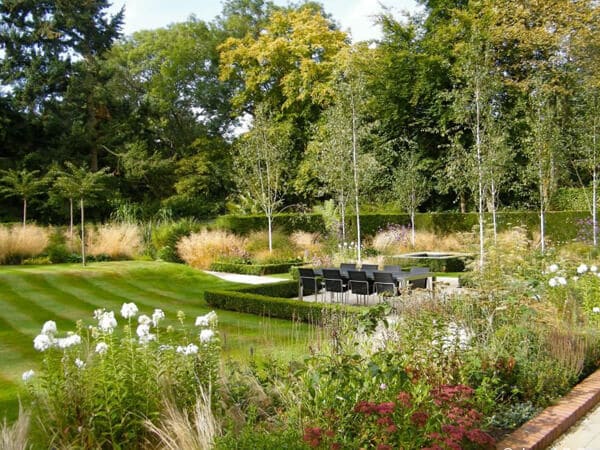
x: 66, y: 293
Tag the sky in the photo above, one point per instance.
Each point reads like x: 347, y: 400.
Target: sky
x: 355, y: 16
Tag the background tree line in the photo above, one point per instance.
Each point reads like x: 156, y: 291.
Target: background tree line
x: 474, y: 105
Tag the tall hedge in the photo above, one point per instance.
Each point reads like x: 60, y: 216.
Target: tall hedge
x: 561, y: 226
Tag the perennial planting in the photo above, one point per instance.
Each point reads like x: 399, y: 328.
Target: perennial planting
x: 98, y: 386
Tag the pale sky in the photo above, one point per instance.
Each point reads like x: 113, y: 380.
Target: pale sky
x: 353, y: 15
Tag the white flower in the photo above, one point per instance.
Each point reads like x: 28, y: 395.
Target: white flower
x: 101, y: 348
x: 596, y: 309
x: 157, y: 316
x: 206, y: 335
x: 206, y: 320
x: 582, y: 269
x: 27, y: 375
x: 49, y: 328
x: 553, y: 268
x: 575, y: 278
x: 106, y: 321
x: 190, y: 349
x: 69, y: 341
x: 561, y: 280
x: 143, y: 329
x: 79, y: 363
x: 147, y: 338
x: 553, y: 282
x: 383, y: 386
x: 42, y: 342
x: 593, y: 269
x: 144, y: 319
x: 129, y: 310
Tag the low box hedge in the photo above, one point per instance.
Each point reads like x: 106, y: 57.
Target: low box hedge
x: 252, y: 269
x: 453, y: 263
x: 274, y: 300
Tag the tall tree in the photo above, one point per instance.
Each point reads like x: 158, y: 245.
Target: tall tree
x: 23, y: 183
x: 260, y: 164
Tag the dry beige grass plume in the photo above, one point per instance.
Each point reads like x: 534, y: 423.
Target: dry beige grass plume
x: 201, y: 249
x: 114, y: 240
x: 23, y: 242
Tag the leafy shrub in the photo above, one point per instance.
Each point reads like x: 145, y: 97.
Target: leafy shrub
x: 20, y: 242
x: 244, y: 225
x: 202, y: 249
x: 57, y: 250
x: 97, y: 387
x: 166, y: 236
x: 115, y: 241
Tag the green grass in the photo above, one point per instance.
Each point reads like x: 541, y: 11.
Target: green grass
x: 31, y: 295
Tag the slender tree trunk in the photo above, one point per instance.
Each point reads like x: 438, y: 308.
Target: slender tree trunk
x: 594, y: 189
x: 270, y: 225
x: 479, y: 176
x: 24, y: 212
x: 355, y: 168
x: 82, y: 232
x: 343, y: 214
x: 412, y: 226
x: 494, y: 218
x: 71, y: 220
x: 542, y: 208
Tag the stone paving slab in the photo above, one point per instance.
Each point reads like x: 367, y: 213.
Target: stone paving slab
x: 542, y: 430
x: 584, y: 435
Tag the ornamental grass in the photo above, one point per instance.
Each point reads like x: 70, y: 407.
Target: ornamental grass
x: 20, y: 242
x: 116, y: 240
x: 203, y: 248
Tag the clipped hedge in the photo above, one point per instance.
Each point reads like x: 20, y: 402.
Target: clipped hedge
x: 252, y: 269
x: 273, y: 300
x: 561, y: 226
x: 445, y: 264
x: 312, y: 223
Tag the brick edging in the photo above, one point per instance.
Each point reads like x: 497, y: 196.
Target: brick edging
x: 550, y: 424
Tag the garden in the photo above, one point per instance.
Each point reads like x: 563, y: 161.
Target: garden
x: 135, y: 170
x: 127, y: 350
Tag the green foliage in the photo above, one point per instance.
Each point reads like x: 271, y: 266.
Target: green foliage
x: 569, y: 199
x: 252, y: 269
x: 445, y: 264
x: 97, y: 386
x: 272, y: 300
x: 244, y: 225
x: 166, y: 236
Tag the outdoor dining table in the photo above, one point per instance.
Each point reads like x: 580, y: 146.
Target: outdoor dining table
x: 401, y: 278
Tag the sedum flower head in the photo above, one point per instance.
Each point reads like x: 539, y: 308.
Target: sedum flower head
x: 206, y: 320
x: 42, y: 342
x: 49, y: 328
x: 129, y: 310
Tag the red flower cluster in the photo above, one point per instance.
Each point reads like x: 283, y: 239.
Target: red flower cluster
x: 451, y: 393
x: 368, y: 408
x: 405, y: 399
x: 313, y: 436
x: 419, y: 418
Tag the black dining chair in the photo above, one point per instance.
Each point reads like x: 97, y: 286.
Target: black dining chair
x: 392, y: 268
x: 334, y: 282
x: 421, y: 283
x: 359, y: 284
x: 384, y: 282
x: 345, y: 267
x: 369, y: 268
x: 308, y: 283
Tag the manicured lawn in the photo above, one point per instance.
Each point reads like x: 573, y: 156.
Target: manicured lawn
x: 30, y: 295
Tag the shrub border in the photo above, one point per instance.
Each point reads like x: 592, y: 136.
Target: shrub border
x: 252, y: 269
x: 274, y: 300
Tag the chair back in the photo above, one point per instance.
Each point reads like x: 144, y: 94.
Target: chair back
x: 306, y: 272
x: 392, y: 268
x: 359, y: 283
x: 369, y: 268
x: 385, y: 282
x: 309, y: 283
x: 333, y: 280
x: 421, y: 283
x: 345, y: 267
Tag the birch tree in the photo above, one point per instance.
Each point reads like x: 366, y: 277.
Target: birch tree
x: 260, y: 164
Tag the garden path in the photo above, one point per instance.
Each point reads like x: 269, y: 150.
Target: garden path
x: 247, y: 279
x: 585, y: 434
